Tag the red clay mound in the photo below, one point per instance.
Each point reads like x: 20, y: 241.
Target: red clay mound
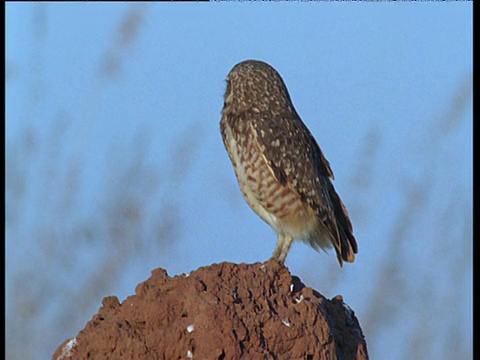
x: 222, y: 311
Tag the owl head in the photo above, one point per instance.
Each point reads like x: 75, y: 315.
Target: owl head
x: 255, y: 87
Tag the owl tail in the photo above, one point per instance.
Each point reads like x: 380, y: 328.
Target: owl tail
x: 347, y: 245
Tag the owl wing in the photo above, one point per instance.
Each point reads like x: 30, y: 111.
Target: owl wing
x: 297, y: 161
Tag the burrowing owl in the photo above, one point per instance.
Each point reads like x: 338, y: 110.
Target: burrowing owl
x: 281, y: 170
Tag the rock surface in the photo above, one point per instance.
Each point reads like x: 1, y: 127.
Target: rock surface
x: 222, y: 311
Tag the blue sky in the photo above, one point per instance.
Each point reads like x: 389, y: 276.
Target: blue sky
x: 376, y: 83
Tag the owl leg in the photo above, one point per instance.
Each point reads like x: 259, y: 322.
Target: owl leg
x: 284, y: 243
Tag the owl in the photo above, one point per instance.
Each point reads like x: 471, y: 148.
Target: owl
x: 281, y: 170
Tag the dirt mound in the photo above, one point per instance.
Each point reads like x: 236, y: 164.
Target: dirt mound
x: 222, y: 311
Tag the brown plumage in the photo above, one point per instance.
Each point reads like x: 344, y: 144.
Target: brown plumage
x: 280, y: 168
